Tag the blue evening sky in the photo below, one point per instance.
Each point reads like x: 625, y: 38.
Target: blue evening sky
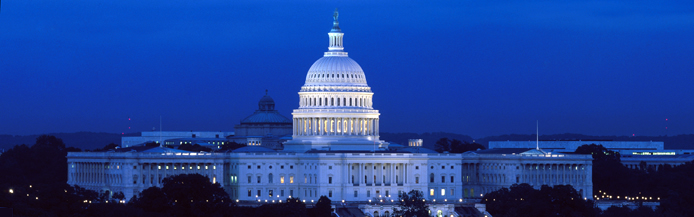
x: 472, y: 67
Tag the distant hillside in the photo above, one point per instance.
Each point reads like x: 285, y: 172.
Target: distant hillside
x: 684, y: 141
x: 82, y: 140
x: 429, y: 138
x: 91, y: 140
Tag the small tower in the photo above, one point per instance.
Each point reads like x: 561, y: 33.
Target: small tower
x: 415, y: 142
x: 336, y: 35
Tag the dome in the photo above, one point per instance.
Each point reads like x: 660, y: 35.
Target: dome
x: 266, y: 103
x: 266, y: 113
x: 335, y: 70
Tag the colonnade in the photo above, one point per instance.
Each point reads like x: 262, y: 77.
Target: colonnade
x: 147, y: 174
x: 335, y: 100
x: 151, y: 174
x: 335, y: 126
x: 88, y: 173
x: 553, y: 174
x: 377, y: 174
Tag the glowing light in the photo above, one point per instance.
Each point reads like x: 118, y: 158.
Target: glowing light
x: 11, y: 191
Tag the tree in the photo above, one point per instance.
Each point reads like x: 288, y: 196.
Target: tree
x: 111, y: 146
x: 194, y: 148
x: 456, y: 146
x: 293, y: 207
x: 230, y: 146
x: 185, y: 195
x: 323, y: 208
x: 412, y: 204
x: 608, y: 172
x: 524, y: 200
x: 444, y: 144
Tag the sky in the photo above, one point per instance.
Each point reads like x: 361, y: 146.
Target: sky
x: 478, y: 68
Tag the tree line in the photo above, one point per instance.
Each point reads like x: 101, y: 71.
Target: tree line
x: 669, y: 185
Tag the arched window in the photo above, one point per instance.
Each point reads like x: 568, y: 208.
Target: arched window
x: 431, y: 178
x: 269, y: 178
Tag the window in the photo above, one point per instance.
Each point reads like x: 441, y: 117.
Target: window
x: 330, y: 167
x: 270, y: 193
x: 330, y: 193
x: 452, y: 179
x: 368, y: 193
x: 291, y: 193
x: 356, y: 193
x: 452, y: 191
x: 416, y: 167
x: 249, y: 179
x: 443, y: 167
x: 282, y: 179
x: 387, y: 194
x: 258, y: 166
x: 249, y: 193
x: 416, y: 180
x: 330, y: 180
x: 443, y: 192
x: 258, y: 195
x: 305, y: 179
x: 291, y: 167
x: 281, y: 193
x: 443, y: 179
x: 269, y: 178
x: 431, y: 178
x: 249, y: 167
x: 258, y: 179
x: 451, y: 167
x: 281, y: 167
x: 431, y: 192
x: 432, y: 167
x: 291, y: 179
x: 270, y: 167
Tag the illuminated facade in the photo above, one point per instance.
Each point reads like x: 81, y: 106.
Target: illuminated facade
x: 335, y: 104
x: 334, y: 151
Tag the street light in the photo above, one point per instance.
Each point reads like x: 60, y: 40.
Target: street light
x: 11, y: 191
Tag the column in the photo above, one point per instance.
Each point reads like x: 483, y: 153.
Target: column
x: 362, y: 173
x: 349, y: 173
x: 313, y: 126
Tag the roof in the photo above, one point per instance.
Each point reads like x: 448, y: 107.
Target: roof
x: 149, y: 149
x: 272, y: 116
x: 418, y: 150
x: 534, y: 152
x: 502, y: 151
x: 252, y: 149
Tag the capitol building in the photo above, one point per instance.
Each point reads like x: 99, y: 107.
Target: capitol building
x: 333, y: 149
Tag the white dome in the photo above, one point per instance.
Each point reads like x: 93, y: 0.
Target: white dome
x: 335, y: 70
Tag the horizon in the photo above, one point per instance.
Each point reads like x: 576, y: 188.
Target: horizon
x: 480, y: 69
